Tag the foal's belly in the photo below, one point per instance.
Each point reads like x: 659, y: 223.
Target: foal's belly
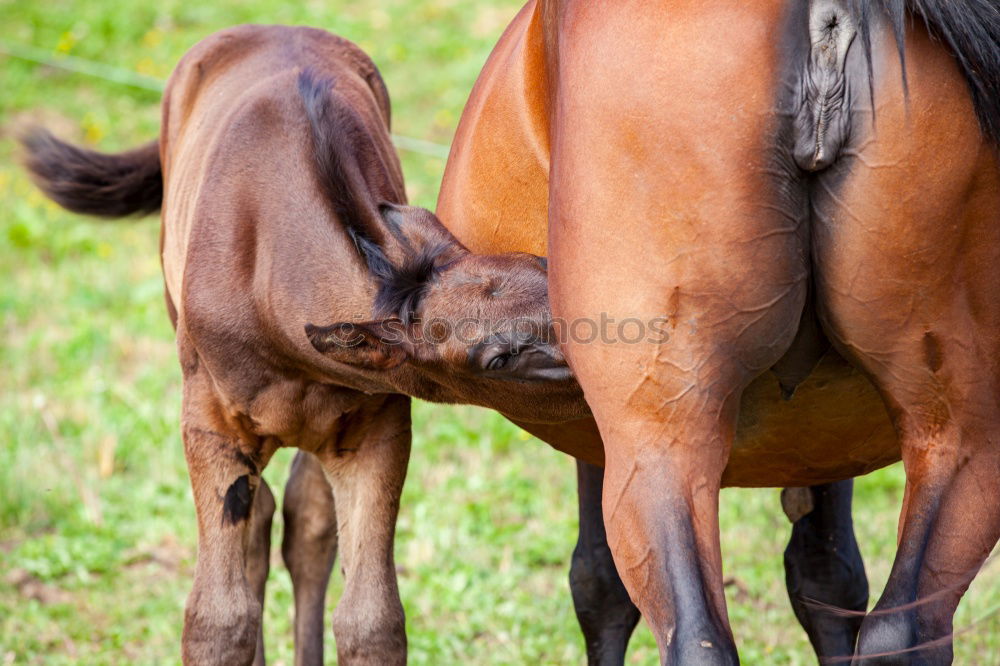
x: 835, y: 427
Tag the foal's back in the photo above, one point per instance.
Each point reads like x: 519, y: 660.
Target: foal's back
x: 251, y: 249
x: 235, y: 137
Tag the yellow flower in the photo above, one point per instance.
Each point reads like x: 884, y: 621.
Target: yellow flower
x: 66, y: 42
x: 153, y: 38
x: 146, y: 66
x: 92, y: 131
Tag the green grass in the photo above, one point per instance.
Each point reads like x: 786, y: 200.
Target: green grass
x: 97, y: 533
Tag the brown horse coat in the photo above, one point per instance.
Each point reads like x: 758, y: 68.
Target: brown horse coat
x: 723, y: 164
x: 282, y: 204
x: 778, y: 442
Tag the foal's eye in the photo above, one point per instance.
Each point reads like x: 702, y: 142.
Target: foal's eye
x: 498, y: 362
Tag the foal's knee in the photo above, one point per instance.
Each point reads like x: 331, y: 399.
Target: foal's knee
x: 309, y: 542
x: 369, y: 633
x: 222, y: 631
x: 264, y: 507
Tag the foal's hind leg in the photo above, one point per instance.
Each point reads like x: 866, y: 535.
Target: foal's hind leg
x: 309, y: 548
x: 823, y: 564
x: 606, y: 614
x: 259, y: 554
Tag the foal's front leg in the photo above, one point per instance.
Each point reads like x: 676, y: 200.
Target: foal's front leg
x: 223, y: 613
x: 366, y: 468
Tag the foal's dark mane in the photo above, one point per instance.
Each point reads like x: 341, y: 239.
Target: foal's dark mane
x: 350, y: 167
x: 400, y: 295
x: 970, y: 28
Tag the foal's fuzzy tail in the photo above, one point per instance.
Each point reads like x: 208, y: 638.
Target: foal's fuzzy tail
x: 85, y: 181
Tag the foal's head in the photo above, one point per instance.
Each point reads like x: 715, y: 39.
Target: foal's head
x: 450, y: 325
x: 472, y: 328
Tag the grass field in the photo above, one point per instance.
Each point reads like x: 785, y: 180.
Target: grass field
x: 97, y: 532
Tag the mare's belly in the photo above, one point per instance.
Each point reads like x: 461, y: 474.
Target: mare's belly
x: 835, y: 427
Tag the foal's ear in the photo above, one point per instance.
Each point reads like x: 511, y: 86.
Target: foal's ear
x: 417, y: 229
x: 392, y: 215
x: 377, y: 345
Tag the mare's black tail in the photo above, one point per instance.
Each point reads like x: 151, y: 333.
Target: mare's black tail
x: 970, y: 28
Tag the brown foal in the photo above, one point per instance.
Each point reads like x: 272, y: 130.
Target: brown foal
x: 766, y: 176
x: 282, y: 205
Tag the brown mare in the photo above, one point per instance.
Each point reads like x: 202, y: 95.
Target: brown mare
x: 774, y: 180
x: 281, y: 200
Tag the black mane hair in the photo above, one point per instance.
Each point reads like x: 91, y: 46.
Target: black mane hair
x: 970, y: 29
x: 340, y: 140
x: 400, y: 295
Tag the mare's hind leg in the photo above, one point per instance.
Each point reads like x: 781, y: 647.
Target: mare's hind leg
x: 932, y: 349
x: 823, y: 564
x: 906, y: 245
x: 606, y: 614
x: 707, y: 241
x: 259, y: 554
x: 950, y: 525
x: 309, y: 548
x: 366, y: 466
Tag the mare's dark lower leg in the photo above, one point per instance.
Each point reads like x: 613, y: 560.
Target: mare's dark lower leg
x: 309, y: 548
x: 949, y: 528
x: 606, y: 614
x: 823, y: 564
